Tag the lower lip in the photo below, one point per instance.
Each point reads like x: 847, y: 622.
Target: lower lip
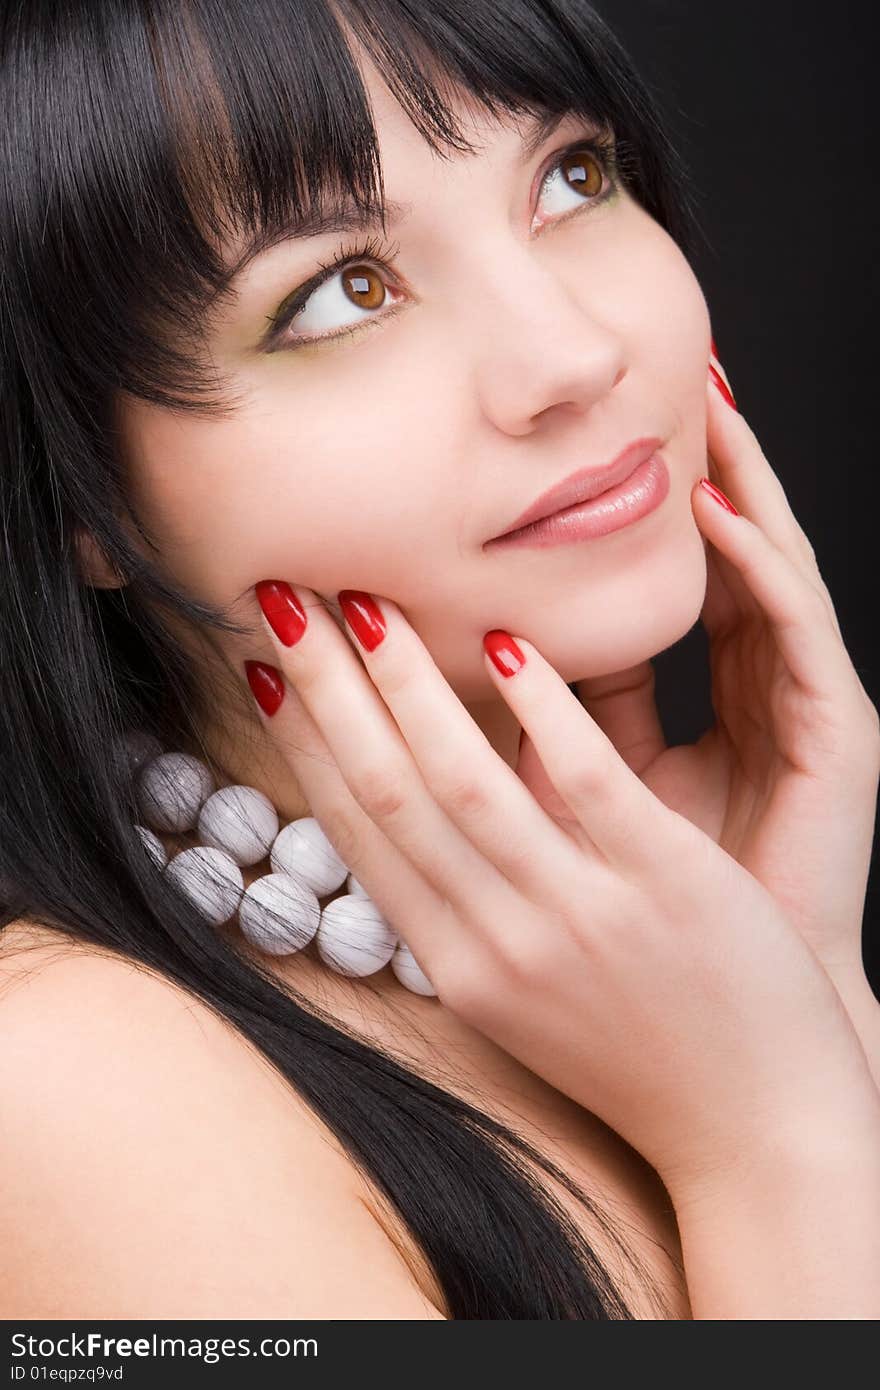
x: 626, y: 502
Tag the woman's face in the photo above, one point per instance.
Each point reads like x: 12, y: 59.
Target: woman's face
x: 525, y: 329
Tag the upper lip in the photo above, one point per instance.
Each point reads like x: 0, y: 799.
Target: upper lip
x: 586, y: 483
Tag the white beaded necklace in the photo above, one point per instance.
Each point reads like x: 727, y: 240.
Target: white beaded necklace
x: 278, y: 912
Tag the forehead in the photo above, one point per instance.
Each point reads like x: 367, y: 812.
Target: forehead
x: 480, y: 127
x: 412, y: 169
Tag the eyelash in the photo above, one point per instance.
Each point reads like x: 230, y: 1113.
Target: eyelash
x: 379, y: 252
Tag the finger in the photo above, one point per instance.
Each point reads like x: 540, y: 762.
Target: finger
x: 808, y: 639
x: 627, y: 823
x: 728, y: 597
x: 482, y: 794
x: 431, y: 782
x: 533, y: 774
x: 747, y: 478
x: 399, y: 891
x: 624, y: 706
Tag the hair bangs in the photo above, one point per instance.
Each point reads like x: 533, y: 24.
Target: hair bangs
x: 211, y: 125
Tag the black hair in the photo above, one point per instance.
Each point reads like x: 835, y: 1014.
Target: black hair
x: 136, y: 134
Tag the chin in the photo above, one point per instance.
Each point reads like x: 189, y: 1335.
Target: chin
x: 593, y: 628
x: 650, y: 609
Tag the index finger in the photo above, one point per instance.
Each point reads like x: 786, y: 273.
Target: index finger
x: 411, y: 754
x: 400, y: 892
x: 746, y: 476
x: 614, y: 811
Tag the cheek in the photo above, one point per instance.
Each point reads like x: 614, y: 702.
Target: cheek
x: 366, y: 468
x: 664, y: 318
x: 667, y: 318
x: 682, y: 308
x: 290, y: 492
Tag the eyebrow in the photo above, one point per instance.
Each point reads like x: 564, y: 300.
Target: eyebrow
x: 349, y: 217
x: 346, y: 217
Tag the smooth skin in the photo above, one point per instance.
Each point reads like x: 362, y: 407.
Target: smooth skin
x: 627, y: 915
x: 786, y: 779
x: 617, y: 909
x: 383, y: 462
x: 156, y: 1167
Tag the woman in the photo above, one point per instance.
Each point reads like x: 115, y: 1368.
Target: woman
x: 258, y: 459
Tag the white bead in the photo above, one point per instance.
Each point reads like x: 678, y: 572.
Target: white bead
x: 279, y: 914
x: 138, y: 747
x: 356, y: 889
x: 354, y: 938
x: 170, y: 791
x: 241, y: 821
x: 211, y: 879
x: 301, y: 848
x: 409, y: 972
x: 153, y: 845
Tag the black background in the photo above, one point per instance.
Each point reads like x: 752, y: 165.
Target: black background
x: 770, y: 105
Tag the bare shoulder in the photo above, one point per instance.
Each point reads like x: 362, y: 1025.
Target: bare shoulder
x: 155, y: 1165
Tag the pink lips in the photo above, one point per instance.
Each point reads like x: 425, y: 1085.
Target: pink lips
x: 619, y: 505
x: 585, y: 484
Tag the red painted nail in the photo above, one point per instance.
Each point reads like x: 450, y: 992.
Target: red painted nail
x: 505, y: 653
x: 364, y: 617
x: 284, y: 612
x: 718, y: 495
x: 723, y: 387
x: 267, y: 685
x: 715, y: 352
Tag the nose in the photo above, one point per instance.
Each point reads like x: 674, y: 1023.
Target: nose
x: 540, y: 349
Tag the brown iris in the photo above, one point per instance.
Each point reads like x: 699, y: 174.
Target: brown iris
x: 364, y: 286
x: 583, y: 172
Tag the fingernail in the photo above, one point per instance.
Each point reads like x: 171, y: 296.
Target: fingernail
x: 723, y: 387
x: 284, y: 612
x: 718, y: 495
x: 504, y: 652
x: 266, y: 684
x: 364, y: 617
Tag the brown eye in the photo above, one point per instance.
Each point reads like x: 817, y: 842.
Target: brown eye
x: 364, y: 286
x: 582, y: 172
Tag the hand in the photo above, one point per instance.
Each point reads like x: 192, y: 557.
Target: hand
x: 618, y: 951
x: 786, y: 780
